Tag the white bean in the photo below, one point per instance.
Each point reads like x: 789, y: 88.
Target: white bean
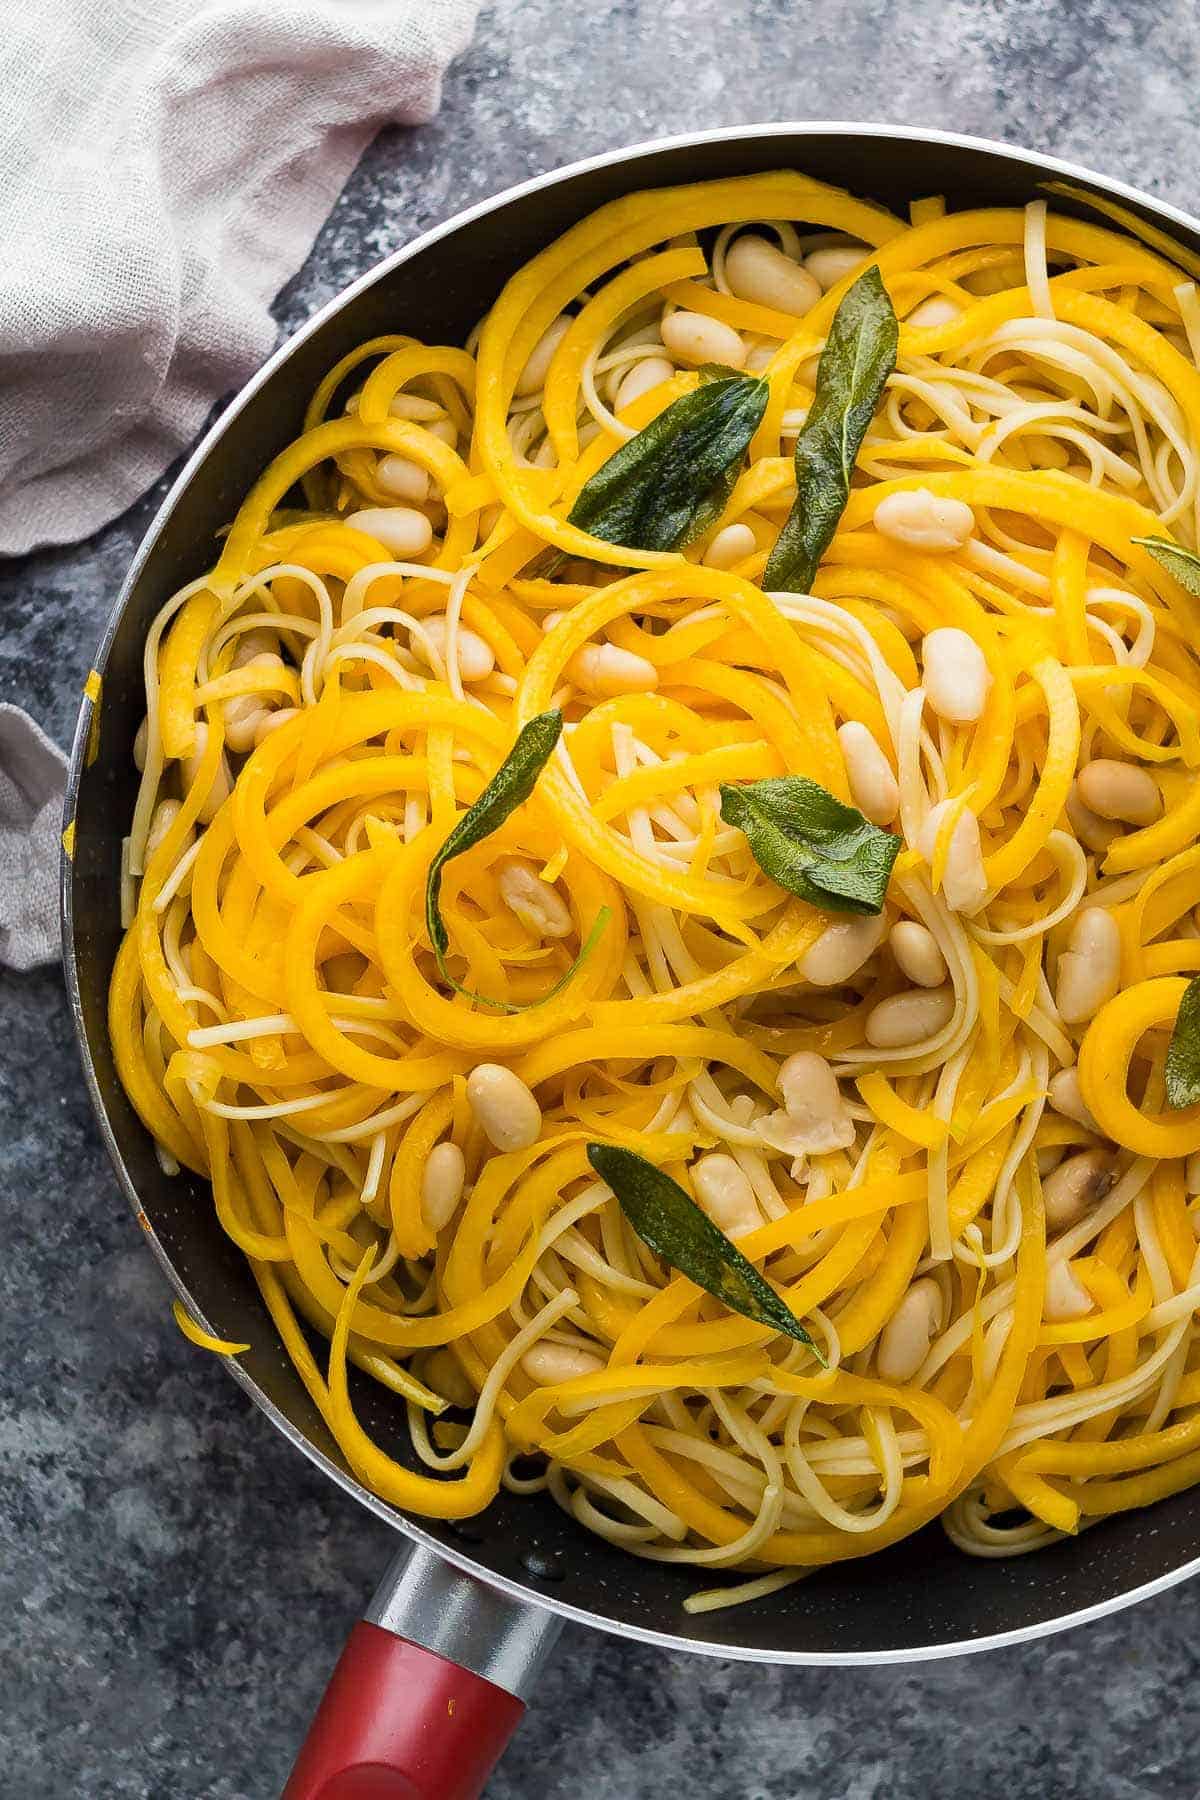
x: 1119, y: 790
x: 446, y: 1376
x: 758, y: 357
x: 414, y: 407
x: 964, y: 883
x: 445, y: 430
x: 1066, y: 1098
x: 162, y: 819
x: 650, y: 373
x: 732, y: 545
x: 922, y: 520
x: 533, y: 375
x: 909, y: 1018
x: 272, y: 721
x: 442, y: 1182
x: 917, y: 955
x: 723, y: 1189
x: 141, y: 744
x: 504, y: 1106
x: 537, y: 904
x: 1065, y: 1297
x: 219, y: 791
x: 1191, y: 1173
x: 758, y: 270
x: 609, y: 670
x: 695, y: 338
x: 905, y: 1339
x: 548, y: 1364
x: 1075, y: 1186
x: 833, y: 262
x: 938, y: 309
x: 842, y: 949
x: 1089, y: 969
x: 956, y: 677
x: 814, y: 1105
x: 402, y: 478
x: 873, y: 787
x: 401, y: 529
x: 1093, y: 832
x: 244, y: 713
x: 476, y: 659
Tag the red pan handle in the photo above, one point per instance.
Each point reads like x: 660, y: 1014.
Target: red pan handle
x: 426, y: 1693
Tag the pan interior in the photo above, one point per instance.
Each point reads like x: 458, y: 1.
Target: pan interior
x: 921, y: 1596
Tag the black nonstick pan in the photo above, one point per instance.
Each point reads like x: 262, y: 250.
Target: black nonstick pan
x: 429, y: 1690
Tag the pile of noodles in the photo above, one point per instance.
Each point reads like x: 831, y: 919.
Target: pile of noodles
x: 280, y: 1025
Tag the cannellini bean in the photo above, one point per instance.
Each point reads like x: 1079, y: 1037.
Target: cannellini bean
x: 1048, y: 1159
x: 548, y: 1364
x: 504, y: 1106
x: 732, y: 545
x: 873, y: 787
x: 723, y: 1189
x: 905, y: 1339
x: 1119, y: 790
x: 1093, y: 832
x: 1066, y: 1097
x: 489, y: 518
x: 650, y: 373
x: 1066, y: 1298
x: 476, y: 659
x: 244, y: 713
x: 964, y: 884
x: 1075, y: 1187
x: 609, y: 670
x: 533, y: 375
x: 162, y: 819
x: 401, y: 529
x: 189, y: 768
x: 758, y: 357
x: 1191, y: 1173
x: 537, y: 904
x: 758, y: 270
x: 694, y: 338
x: 272, y: 721
x: 446, y: 430
x: 1089, y: 969
x: 403, y: 478
x: 414, y: 407
x: 939, y: 309
x: 833, y: 262
x: 814, y: 1105
x: 909, y: 1018
x: 842, y: 949
x: 922, y: 520
x: 956, y: 677
x: 917, y: 955
x: 141, y: 744
x: 446, y: 1375
x: 442, y: 1182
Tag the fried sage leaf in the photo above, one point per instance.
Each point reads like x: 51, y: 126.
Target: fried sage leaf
x: 811, y: 844
x: 859, y: 355
x: 683, y: 1234
x: 1181, y: 1072
x: 509, y: 788
x: 668, y: 484
x: 1183, y: 564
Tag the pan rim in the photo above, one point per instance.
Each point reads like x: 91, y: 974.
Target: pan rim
x: 788, y: 131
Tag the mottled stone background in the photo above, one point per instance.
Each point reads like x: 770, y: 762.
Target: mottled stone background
x: 176, y: 1581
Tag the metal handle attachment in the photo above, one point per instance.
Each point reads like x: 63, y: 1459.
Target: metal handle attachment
x: 428, y: 1690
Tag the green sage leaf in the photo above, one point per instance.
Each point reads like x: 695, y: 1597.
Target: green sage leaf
x: 679, y: 1231
x: 667, y: 485
x: 811, y: 844
x: 509, y: 788
x: 1181, y: 1072
x: 1183, y: 564
x: 859, y: 355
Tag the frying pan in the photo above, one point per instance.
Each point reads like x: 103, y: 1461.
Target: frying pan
x: 432, y: 1683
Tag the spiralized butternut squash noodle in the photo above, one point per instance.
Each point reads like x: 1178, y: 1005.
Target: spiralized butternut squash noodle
x: 969, y: 1186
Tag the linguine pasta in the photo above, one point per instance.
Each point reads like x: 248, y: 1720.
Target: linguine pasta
x: 989, y: 1224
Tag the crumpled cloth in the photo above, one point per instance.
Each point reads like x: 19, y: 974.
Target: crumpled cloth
x: 32, y: 770
x: 164, y: 168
